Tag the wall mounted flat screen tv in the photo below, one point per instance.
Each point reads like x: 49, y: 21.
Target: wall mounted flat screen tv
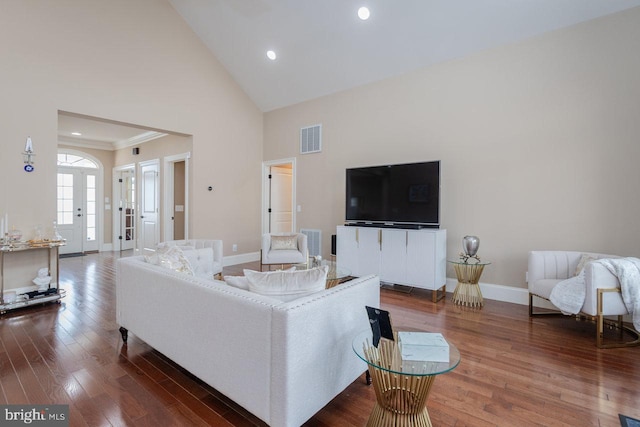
x: 394, y: 195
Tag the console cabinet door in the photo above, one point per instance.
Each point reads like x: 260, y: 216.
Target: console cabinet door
x: 393, y: 259
x: 369, y: 241
x: 347, y: 248
x: 426, y: 259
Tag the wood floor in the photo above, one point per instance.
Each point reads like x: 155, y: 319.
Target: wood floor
x: 514, y: 371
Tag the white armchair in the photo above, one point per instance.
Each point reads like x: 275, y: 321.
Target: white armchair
x: 283, y: 249
x: 216, y: 245
x: 548, y: 268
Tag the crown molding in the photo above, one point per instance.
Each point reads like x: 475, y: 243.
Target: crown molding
x: 111, y: 146
x: 86, y: 143
x: 138, y: 139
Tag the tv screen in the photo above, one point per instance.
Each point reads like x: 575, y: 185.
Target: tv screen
x: 404, y: 194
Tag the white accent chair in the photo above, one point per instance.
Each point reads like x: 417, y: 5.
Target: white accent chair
x: 548, y: 268
x: 272, y: 255
x: 216, y: 245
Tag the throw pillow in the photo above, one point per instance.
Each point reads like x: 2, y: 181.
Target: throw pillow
x: 284, y: 243
x: 242, y: 282
x: 287, y: 285
x: 170, y: 257
x: 584, y: 260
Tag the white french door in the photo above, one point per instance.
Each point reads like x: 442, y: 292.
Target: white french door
x: 77, y: 209
x: 125, y: 212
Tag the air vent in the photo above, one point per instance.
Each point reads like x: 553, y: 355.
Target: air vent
x: 314, y: 241
x: 311, y: 139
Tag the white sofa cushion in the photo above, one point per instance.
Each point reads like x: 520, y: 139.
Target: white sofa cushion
x: 201, y: 261
x: 287, y: 285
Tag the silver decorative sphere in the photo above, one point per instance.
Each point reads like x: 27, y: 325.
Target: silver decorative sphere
x: 470, y: 244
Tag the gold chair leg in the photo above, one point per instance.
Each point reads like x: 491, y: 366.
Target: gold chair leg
x: 619, y: 325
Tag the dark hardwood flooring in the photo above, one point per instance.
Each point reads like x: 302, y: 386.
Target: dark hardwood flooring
x: 514, y: 371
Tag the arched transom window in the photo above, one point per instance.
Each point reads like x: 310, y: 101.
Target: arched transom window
x: 72, y: 160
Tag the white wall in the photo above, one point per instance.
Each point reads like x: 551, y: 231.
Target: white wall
x: 539, y: 143
x: 133, y: 62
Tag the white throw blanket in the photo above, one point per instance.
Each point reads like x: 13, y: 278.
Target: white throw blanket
x: 569, y: 294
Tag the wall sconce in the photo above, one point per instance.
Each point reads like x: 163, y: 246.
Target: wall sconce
x: 28, y: 155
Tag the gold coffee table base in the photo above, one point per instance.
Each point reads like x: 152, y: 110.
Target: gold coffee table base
x: 467, y: 290
x: 400, y: 400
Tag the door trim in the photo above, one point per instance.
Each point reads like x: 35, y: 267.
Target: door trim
x: 265, y: 191
x: 168, y: 162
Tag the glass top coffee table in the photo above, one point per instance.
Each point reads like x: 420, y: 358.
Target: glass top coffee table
x: 335, y: 275
x: 401, y: 386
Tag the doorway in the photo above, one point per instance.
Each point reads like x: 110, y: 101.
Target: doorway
x: 176, y: 197
x: 79, y: 202
x: 279, y: 202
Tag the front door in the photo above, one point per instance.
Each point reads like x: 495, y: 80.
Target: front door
x: 77, y: 209
x: 149, y: 205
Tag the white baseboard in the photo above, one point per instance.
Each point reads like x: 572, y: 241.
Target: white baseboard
x: 107, y: 247
x: 504, y: 293
x: 497, y: 292
x: 240, y: 258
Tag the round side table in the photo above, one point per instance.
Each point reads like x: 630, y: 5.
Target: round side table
x: 401, y: 386
x: 467, y: 290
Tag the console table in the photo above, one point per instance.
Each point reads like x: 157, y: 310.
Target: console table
x: 415, y: 258
x: 53, y: 256
x: 401, y: 386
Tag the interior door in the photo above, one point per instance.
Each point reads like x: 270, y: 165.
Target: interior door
x: 149, y: 230
x: 281, y: 207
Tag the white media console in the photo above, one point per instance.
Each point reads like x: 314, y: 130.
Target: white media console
x: 406, y: 257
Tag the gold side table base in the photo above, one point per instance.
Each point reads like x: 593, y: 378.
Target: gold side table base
x: 467, y: 290
x: 468, y: 294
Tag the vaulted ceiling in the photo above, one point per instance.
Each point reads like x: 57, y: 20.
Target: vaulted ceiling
x: 323, y: 47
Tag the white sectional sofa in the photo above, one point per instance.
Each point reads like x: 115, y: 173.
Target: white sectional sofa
x: 281, y: 361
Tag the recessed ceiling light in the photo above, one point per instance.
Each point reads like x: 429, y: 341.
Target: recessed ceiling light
x: 76, y: 133
x: 271, y: 55
x: 363, y: 13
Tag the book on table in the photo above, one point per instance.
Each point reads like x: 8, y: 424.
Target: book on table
x: 423, y: 346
